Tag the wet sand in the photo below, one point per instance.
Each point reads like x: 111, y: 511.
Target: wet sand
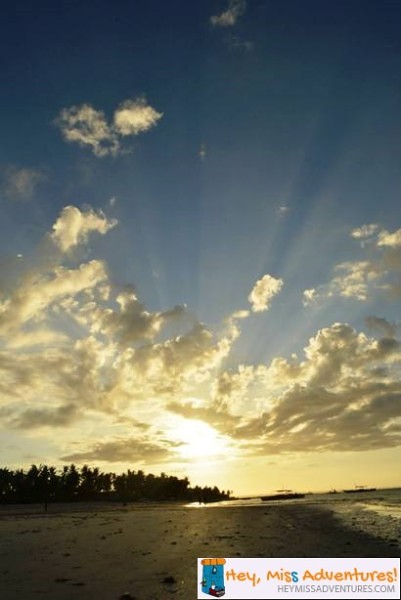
x: 149, y: 553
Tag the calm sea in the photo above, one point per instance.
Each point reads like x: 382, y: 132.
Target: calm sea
x: 380, y: 498
x: 375, y: 512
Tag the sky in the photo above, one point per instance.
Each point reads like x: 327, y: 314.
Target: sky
x: 200, y: 240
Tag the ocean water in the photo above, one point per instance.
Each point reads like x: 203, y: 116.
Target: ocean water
x: 377, y: 512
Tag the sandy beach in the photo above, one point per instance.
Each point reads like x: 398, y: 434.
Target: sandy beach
x: 149, y: 553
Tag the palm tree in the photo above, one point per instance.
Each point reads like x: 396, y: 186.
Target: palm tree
x: 69, y: 485
x: 43, y: 483
x: 87, y: 486
x: 6, y: 487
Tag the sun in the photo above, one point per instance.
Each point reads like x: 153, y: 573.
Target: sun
x: 198, y: 439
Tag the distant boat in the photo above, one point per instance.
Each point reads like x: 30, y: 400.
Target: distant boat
x: 283, y: 495
x: 360, y: 488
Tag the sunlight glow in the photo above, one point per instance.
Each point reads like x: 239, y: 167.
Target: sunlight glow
x: 199, y: 440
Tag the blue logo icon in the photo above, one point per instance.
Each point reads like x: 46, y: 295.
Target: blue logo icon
x: 213, y: 577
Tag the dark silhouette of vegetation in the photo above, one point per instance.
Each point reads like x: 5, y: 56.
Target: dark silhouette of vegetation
x: 45, y: 484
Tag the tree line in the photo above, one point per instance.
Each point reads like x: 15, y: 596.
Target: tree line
x: 72, y: 484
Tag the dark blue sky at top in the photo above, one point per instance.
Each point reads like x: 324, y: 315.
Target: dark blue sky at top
x: 297, y: 105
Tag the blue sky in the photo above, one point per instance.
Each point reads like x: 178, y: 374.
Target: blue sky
x: 200, y: 239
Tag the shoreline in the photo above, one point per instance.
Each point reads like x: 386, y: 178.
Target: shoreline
x: 151, y: 552
x: 92, y: 506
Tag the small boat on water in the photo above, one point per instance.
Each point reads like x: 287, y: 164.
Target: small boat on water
x: 360, y: 488
x: 283, y: 495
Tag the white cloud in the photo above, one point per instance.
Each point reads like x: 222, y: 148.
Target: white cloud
x: 89, y: 127
x: 26, y: 300
x: 360, y: 279
x: 365, y: 231
x: 30, y: 301
x: 310, y: 296
x: 135, y: 116
x: 263, y: 292
x: 64, y: 329
x: 229, y: 17
x: 176, y: 366
x: 345, y: 395
x: 73, y: 227
x: 21, y: 183
x: 282, y: 210
x: 354, y: 281
x: 390, y: 240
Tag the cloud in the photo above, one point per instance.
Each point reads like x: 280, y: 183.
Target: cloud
x: 21, y: 183
x: 31, y: 300
x: 80, y: 354
x: 46, y: 417
x: 229, y: 17
x: 176, y: 366
x: 263, y: 292
x: 135, y: 116
x: 360, y: 279
x: 211, y: 414
x: 345, y: 395
x: 389, y: 240
x: 354, y: 281
x: 131, y: 450
x: 39, y: 358
x: 364, y: 232
x: 282, y: 210
x: 75, y: 347
x: 132, y: 323
x: 381, y: 325
x: 46, y: 380
x: 87, y: 126
x: 309, y: 296
x: 74, y: 226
